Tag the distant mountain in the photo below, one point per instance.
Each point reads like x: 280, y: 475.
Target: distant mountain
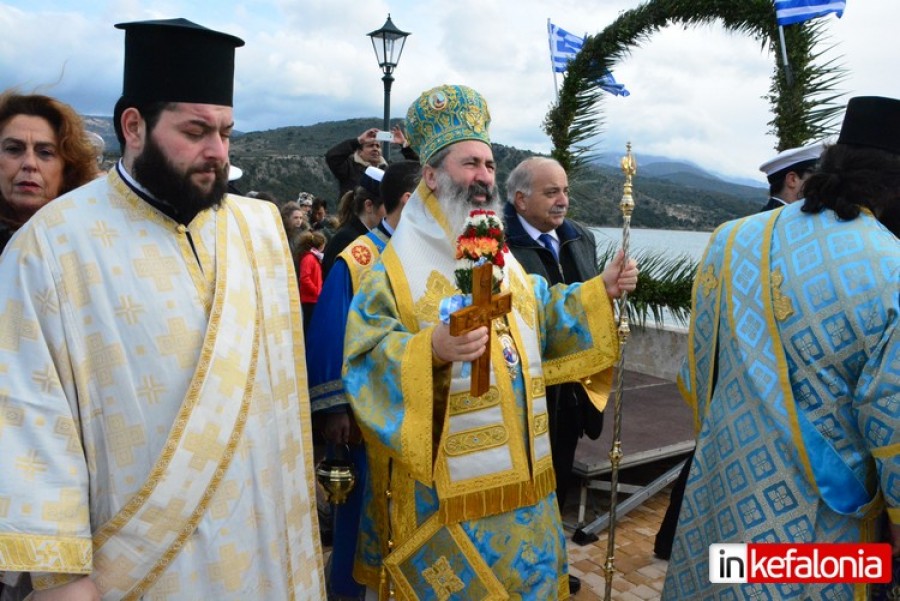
x: 668, y: 194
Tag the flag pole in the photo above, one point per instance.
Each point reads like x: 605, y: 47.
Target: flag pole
x: 789, y: 77
x: 552, y: 65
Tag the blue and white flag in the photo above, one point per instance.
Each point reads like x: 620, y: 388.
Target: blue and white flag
x: 790, y: 12
x: 609, y: 84
x: 563, y: 46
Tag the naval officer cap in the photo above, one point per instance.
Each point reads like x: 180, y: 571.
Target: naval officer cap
x: 792, y: 159
x: 176, y: 60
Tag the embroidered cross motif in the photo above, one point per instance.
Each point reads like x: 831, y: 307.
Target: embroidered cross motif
x: 180, y: 341
x: 484, y: 309
x: 230, y: 570
x: 783, y: 306
x: 150, y: 390
x: 362, y: 254
x: 158, y: 268
x: 708, y: 280
x: 129, y: 309
x: 104, y: 358
x: 228, y: 369
x: 205, y: 446
x: 442, y: 579
x: 123, y: 439
x: 23, y: 328
x: 30, y: 465
x: 113, y: 573
x: 162, y: 521
x: 104, y: 233
x: 68, y: 513
x: 78, y: 278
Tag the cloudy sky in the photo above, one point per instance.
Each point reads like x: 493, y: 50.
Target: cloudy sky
x: 696, y: 94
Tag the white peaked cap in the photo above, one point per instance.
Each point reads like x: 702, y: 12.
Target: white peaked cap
x: 792, y: 156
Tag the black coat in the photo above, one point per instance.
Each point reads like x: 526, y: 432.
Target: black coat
x: 341, y: 160
x: 577, y: 263
x: 771, y: 205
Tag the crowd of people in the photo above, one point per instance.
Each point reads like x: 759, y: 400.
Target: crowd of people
x: 172, y: 355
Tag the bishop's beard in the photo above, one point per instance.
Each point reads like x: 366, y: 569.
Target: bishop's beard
x: 457, y: 201
x: 156, y: 173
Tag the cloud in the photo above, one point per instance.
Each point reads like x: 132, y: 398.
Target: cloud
x: 697, y: 92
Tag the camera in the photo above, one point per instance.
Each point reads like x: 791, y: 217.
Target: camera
x: 384, y: 136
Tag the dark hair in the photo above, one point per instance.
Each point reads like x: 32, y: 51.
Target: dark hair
x: 353, y: 203
x: 150, y: 112
x: 776, y: 180
x: 850, y: 177
x: 399, y: 178
x: 268, y: 196
x: 79, y: 157
x: 316, y: 203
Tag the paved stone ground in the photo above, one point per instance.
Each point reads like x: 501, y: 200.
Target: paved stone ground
x: 639, y: 575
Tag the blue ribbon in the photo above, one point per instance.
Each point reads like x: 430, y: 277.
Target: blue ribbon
x: 451, y: 305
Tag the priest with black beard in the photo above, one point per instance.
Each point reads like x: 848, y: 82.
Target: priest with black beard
x: 157, y: 441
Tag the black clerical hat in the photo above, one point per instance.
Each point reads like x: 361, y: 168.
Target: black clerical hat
x: 872, y: 121
x: 175, y: 60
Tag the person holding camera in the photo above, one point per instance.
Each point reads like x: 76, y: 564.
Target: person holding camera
x: 348, y: 159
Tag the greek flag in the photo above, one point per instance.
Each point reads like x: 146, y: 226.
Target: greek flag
x: 609, y: 84
x: 789, y: 12
x: 563, y: 46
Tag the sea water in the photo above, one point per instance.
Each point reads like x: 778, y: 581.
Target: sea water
x: 668, y: 243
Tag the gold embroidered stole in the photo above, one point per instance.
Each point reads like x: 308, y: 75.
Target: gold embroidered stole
x: 489, y: 460
x: 135, y: 547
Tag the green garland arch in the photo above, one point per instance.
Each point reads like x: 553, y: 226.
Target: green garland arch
x: 805, y: 108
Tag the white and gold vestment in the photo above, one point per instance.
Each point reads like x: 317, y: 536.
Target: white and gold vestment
x: 154, y: 419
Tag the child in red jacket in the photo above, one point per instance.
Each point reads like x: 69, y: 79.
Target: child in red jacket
x: 309, y: 272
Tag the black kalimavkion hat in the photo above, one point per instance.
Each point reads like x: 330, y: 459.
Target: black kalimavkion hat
x: 175, y: 60
x: 872, y: 121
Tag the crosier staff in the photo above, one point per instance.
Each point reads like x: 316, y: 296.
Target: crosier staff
x: 629, y: 168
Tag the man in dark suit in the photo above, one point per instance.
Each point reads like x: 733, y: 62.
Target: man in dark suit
x: 547, y: 244
x: 786, y: 173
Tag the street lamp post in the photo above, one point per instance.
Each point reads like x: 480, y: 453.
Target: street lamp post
x: 388, y: 44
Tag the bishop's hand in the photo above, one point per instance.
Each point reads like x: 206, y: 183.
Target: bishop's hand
x: 619, y: 278
x: 466, y: 347
x: 82, y: 589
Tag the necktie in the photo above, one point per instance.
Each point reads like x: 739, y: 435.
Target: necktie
x: 547, y: 241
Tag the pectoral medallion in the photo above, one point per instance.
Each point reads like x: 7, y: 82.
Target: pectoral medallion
x: 510, y: 354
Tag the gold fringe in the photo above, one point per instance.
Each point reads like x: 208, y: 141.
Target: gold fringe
x: 562, y: 586
x: 473, y: 506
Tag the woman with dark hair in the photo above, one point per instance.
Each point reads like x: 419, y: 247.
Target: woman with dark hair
x: 360, y: 211
x: 44, y: 153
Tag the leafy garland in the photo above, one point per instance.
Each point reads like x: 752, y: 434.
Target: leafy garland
x: 664, y: 285
x: 805, y: 108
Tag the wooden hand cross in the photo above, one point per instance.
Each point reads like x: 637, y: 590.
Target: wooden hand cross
x: 484, y: 309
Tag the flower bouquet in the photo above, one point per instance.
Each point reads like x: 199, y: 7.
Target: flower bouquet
x: 481, y: 242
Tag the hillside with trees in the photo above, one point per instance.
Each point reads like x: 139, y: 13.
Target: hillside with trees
x: 288, y: 160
